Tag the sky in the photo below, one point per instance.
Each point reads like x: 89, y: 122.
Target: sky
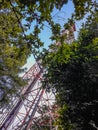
x: 60, y: 17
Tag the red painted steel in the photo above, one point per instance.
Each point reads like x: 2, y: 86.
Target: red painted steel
x: 24, y: 112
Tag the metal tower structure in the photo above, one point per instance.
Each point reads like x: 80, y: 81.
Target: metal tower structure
x: 69, y: 32
x: 32, y: 108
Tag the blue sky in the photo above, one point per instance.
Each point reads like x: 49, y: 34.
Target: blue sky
x: 60, y: 17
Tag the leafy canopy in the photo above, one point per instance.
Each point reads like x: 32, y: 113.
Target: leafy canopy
x: 16, y: 45
x: 72, y: 71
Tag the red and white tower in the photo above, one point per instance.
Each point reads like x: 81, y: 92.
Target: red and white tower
x: 32, y: 108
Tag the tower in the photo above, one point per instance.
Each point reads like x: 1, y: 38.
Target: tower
x: 32, y: 107
x: 68, y: 31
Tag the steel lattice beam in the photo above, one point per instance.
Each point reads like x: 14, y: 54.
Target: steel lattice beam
x: 24, y: 112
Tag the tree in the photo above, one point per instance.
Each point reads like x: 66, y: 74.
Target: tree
x: 13, y: 54
x: 72, y: 71
x: 15, y: 44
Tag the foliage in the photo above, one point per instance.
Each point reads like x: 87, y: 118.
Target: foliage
x: 13, y: 54
x: 82, y: 7
x: 16, y: 19
x: 62, y: 122
x: 72, y: 71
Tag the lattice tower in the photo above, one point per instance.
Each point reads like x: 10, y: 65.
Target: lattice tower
x: 32, y: 108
